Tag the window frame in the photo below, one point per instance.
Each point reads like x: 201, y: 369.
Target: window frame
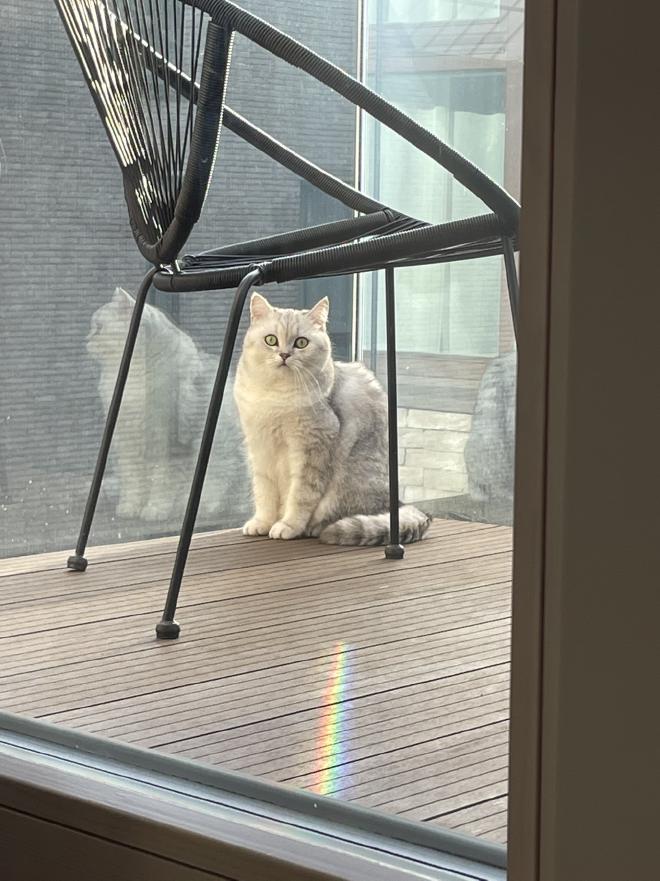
x: 366, y: 829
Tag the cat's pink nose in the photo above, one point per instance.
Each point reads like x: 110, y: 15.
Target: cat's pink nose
x: 285, y: 355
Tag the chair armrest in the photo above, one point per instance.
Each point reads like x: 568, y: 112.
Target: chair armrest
x: 284, y: 244
x: 378, y: 252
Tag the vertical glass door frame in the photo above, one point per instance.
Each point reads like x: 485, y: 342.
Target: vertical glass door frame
x: 531, y: 440
x: 584, y: 741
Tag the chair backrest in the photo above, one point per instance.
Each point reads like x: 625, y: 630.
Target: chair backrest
x: 137, y: 56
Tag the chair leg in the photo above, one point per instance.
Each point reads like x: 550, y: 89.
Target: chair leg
x: 78, y: 561
x: 168, y: 628
x: 394, y: 550
x: 511, y: 281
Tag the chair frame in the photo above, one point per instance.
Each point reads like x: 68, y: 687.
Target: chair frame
x: 381, y: 238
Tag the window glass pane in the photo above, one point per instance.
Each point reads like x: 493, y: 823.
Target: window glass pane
x: 440, y: 10
x: 314, y: 665
x: 456, y: 69
x: 445, y: 308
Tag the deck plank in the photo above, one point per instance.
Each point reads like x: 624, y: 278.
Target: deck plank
x: 318, y: 667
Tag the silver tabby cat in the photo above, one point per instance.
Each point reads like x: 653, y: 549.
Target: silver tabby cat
x: 161, y: 420
x: 316, y: 433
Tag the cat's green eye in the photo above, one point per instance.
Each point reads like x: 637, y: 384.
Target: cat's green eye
x: 271, y: 339
x: 301, y: 342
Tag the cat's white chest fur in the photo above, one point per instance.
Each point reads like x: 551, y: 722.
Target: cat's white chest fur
x: 277, y: 413
x: 268, y: 426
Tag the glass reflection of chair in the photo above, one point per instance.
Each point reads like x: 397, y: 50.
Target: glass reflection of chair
x: 158, y: 74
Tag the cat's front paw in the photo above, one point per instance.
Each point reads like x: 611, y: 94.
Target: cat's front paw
x: 283, y: 530
x: 256, y: 527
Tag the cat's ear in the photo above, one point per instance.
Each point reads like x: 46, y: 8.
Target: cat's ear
x: 259, y: 307
x: 318, y: 314
x: 123, y: 298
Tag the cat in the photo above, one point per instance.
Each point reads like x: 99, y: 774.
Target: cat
x: 490, y: 447
x: 316, y: 434
x: 161, y: 419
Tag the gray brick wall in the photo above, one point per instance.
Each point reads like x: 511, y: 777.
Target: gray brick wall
x: 65, y: 241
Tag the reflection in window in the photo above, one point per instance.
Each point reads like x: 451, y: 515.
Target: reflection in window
x: 453, y: 307
x: 440, y: 10
x: 455, y: 68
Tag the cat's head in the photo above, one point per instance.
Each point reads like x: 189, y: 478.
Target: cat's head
x: 287, y: 345
x: 109, y: 325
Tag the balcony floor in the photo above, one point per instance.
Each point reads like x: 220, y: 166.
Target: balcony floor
x: 327, y: 668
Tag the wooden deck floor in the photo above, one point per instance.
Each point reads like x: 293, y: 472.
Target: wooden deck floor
x: 319, y: 667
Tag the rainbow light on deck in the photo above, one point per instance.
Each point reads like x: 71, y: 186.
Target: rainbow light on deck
x: 330, y: 742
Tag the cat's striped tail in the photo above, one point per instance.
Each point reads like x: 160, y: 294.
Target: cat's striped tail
x: 374, y: 529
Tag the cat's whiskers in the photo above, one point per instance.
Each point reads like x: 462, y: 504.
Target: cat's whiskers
x: 297, y: 382
x: 307, y: 391
x: 302, y: 387
x: 305, y: 371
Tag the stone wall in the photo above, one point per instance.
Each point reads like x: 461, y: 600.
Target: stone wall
x: 431, y: 445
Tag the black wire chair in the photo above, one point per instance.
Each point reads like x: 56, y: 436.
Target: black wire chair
x: 157, y: 70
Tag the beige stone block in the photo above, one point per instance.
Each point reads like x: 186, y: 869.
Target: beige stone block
x: 450, y: 461
x: 448, y: 481
x: 408, y: 475
x: 420, y: 494
x: 402, y: 417
x: 436, y: 459
x: 412, y: 438
x: 413, y: 493
x: 450, y: 441
x: 437, y: 420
